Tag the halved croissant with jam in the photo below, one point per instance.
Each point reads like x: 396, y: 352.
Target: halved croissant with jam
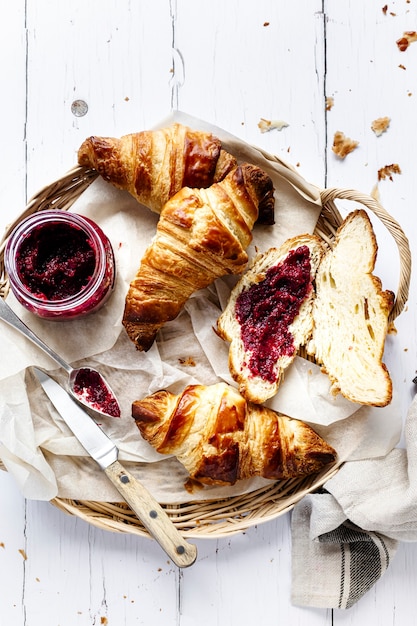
x: 220, y: 438
x: 269, y: 315
x: 153, y: 165
x: 202, y: 234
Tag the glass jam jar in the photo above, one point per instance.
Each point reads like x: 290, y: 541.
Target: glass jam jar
x: 60, y: 265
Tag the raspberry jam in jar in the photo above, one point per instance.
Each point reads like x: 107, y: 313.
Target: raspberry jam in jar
x: 60, y: 265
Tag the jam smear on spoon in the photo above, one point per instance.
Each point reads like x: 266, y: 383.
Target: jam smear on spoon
x: 90, y: 387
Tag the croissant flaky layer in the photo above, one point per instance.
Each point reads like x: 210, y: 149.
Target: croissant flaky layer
x: 202, y: 234
x: 154, y: 165
x: 220, y: 438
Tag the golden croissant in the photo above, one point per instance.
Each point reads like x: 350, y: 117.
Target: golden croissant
x: 220, y: 438
x: 153, y: 165
x: 202, y: 234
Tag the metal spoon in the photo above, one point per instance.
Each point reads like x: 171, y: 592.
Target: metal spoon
x: 85, y: 384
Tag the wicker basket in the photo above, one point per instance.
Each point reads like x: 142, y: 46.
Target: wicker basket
x: 235, y: 514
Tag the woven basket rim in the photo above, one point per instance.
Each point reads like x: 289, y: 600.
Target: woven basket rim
x: 208, y: 518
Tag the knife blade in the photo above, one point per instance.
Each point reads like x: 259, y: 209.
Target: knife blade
x: 105, y: 452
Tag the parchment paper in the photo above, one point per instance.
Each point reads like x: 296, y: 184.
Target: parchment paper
x: 37, y: 447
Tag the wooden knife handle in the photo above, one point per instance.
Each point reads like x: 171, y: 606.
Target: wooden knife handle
x: 152, y: 515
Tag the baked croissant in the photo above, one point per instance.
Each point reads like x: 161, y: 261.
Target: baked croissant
x: 220, y: 438
x: 153, y: 165
x: 202, y: 234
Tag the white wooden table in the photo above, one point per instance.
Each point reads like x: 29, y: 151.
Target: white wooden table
x: 231, y: 63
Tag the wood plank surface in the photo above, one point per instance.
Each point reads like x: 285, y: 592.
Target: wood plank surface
x: 232, y: 64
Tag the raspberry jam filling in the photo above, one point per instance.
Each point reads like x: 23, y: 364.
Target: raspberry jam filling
x: 55, y: 261
x: 267, y: 309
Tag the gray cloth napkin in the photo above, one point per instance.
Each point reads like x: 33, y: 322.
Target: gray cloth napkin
x: 345, y: 536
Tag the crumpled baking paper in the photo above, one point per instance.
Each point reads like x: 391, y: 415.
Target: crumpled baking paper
x: 37, y: 447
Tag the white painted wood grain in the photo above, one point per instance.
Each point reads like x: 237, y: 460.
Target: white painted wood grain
x: 247, y: 61
x: 12, y: 552
x: 85, y: 575
x: 13, y: 111
x: 231, y: 63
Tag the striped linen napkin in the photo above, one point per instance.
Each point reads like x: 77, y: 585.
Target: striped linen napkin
x: 345, y: 536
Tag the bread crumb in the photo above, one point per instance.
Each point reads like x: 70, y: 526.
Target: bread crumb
x: 266, y: 23
x: 343, y: 145
x: 385, y: 9
x: 267, y: 125
x: 407, y: 38
x: 2, y: 545
x: 187, y: 361
x: 402, y: 67
x: 23, y: 553
x: 329, y: 103
x: 380, y: 125
x: 388, y: 170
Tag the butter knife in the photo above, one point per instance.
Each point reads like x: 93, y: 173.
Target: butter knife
x: 104, y: 451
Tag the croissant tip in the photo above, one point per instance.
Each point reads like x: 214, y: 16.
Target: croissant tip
x: 264, y: 189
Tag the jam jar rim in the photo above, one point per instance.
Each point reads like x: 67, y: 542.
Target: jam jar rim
x: 40, y: 218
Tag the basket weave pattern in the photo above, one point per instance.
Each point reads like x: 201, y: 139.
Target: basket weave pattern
x: 234, y: 514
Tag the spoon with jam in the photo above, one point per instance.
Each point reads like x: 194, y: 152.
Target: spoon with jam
x: 85, y: 384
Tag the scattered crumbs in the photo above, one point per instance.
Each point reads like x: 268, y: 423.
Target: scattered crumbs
x: 104, y: 620
x: 392, y: 329
x: 388, y: 170
x: 289, y: 149
x: 266, y: 23
x: 409, y: 93
x: 127, y: 99
x: 329, y: 103
x: 38, y: 580
x: 405, y: 349
x: 2, y: 545
x: 402, y: 67
x: 23, y: 553
x: 159, y: 569
x: 385, y: 9
x: 380, y: 125
x: 191, y: 485
x: 343, y: 145
x: 267, y: 125
x: 407, y: 38
x: 188, y: 361
x: 298, y: 164
x: 124, y: 597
